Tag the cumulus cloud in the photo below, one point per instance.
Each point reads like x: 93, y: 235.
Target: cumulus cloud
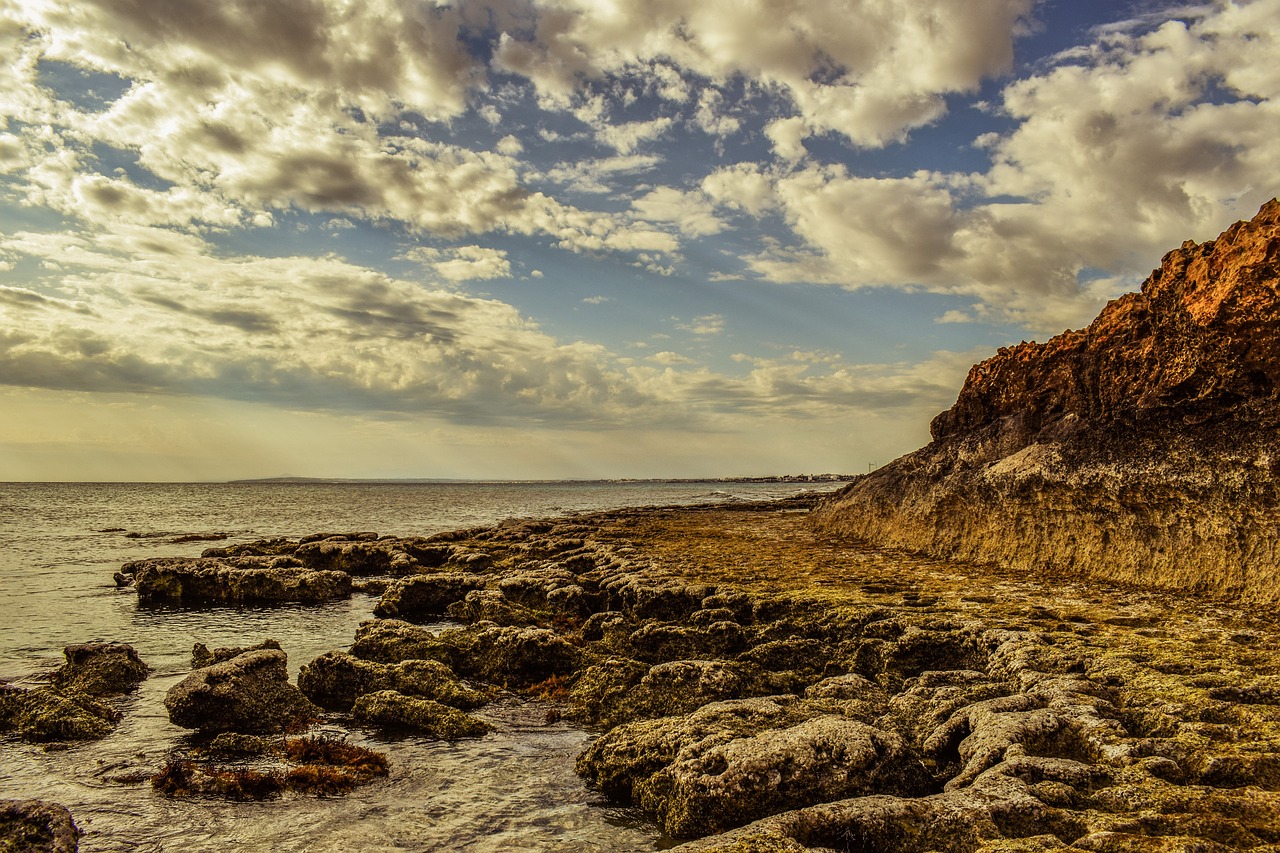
x: 841, y: 63
x: 691, y: 212
x: 326, y: 334
x: 462, y: 263
x: 1118, y: 151
x: 231, y: 114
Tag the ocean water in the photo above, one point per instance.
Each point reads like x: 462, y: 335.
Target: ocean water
x: 512, y: 790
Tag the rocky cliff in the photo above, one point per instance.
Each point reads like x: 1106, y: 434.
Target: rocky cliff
x: 1143, y: 449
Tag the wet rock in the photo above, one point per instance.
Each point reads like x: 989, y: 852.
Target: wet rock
x: 335, y: 680
x: 642, y: 598
x: 490, y: 605
x: 677, y: 687
x: 235, y: 745
x: 45, y: 715
x: 733, y: 762
x: 37, y: 826
x: 595, y: 626
x: 600, y: 692
x: 425, y: 596
x: 204, y: 581
x: 393, y: 640
x: 202, y: 657
x: 664, y: 641
x: 351, y: 557
x: 519, y: 657
x: 709, y: 789
x: 100, y: 669
x: 388, y: 708
x: 250, y: 693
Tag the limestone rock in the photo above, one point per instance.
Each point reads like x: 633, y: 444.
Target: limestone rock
x: 422, y: 596
x: 204, y: 581
x: 1143, y: 449
x: 249, y: 693
x: 336, y: 680
x: 389, y: 708
x: 43, y: 714
x: 733, y: 762
x: 37, y: 826
x: 100, y: 669
x: 202, y: 657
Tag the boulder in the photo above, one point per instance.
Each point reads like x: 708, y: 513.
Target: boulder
x: 202, y: 657
x: 681, y: 686
x: 391, y: 709
x: 37, y: 826
x: 425, y: 596
x: 335, y: 680
x: 394, y: 640
x: 709, y: 788
x: 249, y: 693
x: 518, y: 657
x: 100, y: 669
x: 733, y: 762
x: 43, y: 714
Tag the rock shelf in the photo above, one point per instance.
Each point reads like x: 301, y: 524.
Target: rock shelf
x: 759, y: 687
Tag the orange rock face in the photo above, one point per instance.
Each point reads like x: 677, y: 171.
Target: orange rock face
x: 1200, y: 339
x: 1143, y: 450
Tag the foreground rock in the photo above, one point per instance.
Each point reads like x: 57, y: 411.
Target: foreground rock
x: 36, y: 826
x: 73, y: 708
x: 759, y: 685
x: 100, y: 669
x: 249, y: 693
x: 1141, y: 450
x: 237, y: 581
x: 731, y: 762
x: 390, y: 709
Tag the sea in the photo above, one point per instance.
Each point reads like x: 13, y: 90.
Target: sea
x: 512, y: 790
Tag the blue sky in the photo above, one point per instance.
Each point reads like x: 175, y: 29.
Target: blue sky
x: 573, y: 238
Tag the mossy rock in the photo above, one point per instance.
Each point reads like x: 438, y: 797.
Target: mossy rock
x: 100, y: 669
x: 391, y: 709
x: 43, y: 714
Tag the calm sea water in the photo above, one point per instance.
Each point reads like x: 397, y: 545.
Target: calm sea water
x: 512, y: 790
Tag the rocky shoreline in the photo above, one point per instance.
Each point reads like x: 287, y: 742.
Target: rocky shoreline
x: 1143, y: 449
x: 757, y: 686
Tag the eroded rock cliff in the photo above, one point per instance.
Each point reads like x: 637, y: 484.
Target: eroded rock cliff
x: 1143, y: 449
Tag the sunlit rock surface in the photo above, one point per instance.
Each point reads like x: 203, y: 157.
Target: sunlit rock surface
x: 1143, y: 449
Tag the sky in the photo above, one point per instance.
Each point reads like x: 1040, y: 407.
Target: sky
x: 526, y: 239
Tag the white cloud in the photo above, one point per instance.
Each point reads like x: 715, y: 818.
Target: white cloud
x: 625, y: 138
x: 842, y: 63
x: 595, y: 176
x: 1119, y: 151
x: 743, y: 186
x: 691, y: 212
x: 787, y: 136
x: 463, y: 263
x: 509, y: 146
x: 705, y: 326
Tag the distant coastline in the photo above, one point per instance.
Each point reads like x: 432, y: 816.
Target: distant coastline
x: 781, y: 478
